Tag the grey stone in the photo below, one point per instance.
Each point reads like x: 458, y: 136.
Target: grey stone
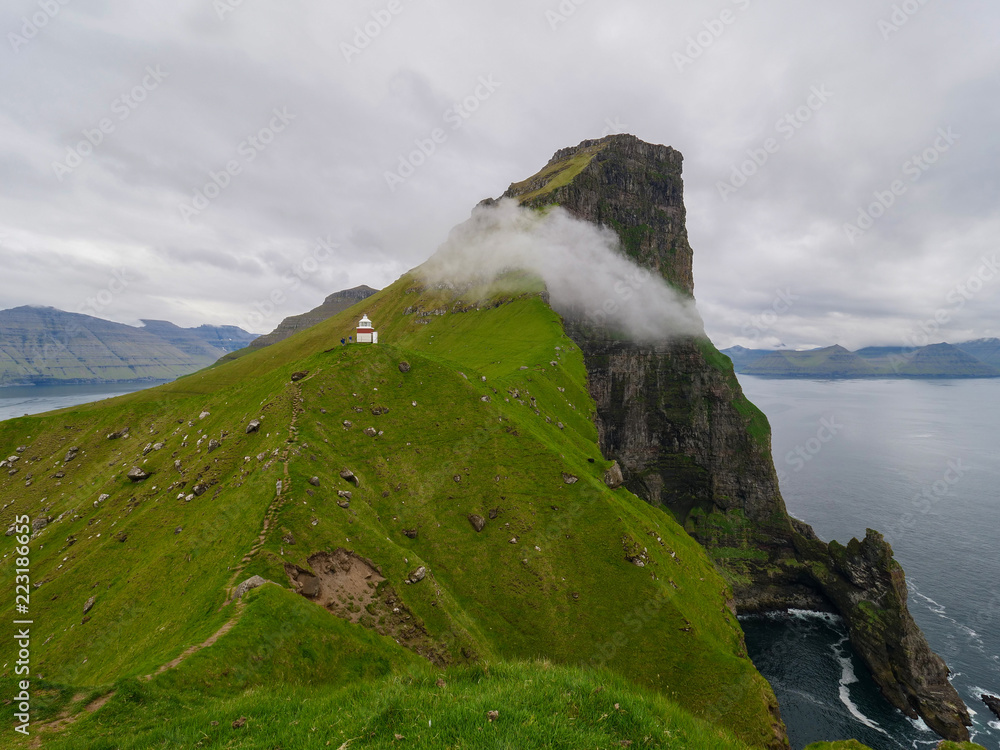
x: 89, y: 605
x: 613, y: 476
x: 250, y: 583
x: 254, y: 426
x: 417, y: 575
x: 136, y: 474
x: 477, y: 521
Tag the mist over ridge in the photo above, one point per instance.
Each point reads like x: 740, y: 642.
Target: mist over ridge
x: 582, y: 265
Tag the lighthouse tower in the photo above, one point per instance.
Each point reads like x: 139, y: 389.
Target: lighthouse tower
x: 366, y: 332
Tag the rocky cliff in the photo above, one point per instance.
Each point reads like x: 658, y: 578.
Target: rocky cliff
x: 675, y: 418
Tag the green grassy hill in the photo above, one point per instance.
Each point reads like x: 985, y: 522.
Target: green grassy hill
x: 491, y: 419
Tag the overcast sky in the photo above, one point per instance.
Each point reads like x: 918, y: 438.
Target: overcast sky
x: 113, y: 115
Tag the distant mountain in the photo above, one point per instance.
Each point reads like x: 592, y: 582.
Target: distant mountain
x: 208, y: 341
x: 335, y: 304
x: 46, y: 346
x: 985, y: 350
x: 935, y: 361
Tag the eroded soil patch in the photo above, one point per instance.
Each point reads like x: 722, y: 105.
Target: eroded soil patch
x: 354, y: 589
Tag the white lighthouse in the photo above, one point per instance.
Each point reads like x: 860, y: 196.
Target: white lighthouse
x: 366, y: 332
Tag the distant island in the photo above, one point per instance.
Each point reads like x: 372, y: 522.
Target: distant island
x: 46, y: 346
x: 973, y: 359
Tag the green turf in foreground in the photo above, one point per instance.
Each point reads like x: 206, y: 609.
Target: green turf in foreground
x: 539, y: 706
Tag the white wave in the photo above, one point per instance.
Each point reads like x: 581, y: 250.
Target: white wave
x: 847, y: 678
x: 808, y: 614
x: 941, y: 611
x: 919, y: 724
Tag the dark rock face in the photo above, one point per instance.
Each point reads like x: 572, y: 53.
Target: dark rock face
x: 477, y: 521
x: 992, y: 703
x: 685, y: 438
x: 868, y: 586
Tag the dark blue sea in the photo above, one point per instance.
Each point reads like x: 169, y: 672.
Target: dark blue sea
x: 918, y: 460
x: 20, y: 400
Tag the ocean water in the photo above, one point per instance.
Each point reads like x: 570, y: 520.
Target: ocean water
x: 18, y: 401
x: 918, y: 460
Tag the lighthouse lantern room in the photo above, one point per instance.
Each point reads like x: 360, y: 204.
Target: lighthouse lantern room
x: 366, y: 332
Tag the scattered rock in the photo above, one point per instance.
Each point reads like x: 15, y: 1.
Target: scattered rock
x: 123, y: 537
x: 213, y: 444
x: 314, y: 481
x: 493, y: 715
x: 204, y: 414
x: 199, y: 489
x: 378, y: 411
x: 179, y: 529
x: 297, y: 376
x: 410, y: 533
x: 177, y: 465
x: 613, y: 476
x: 348, y: 424
x: 148, y: 449
x: 118, y: 435
x: 494, y: 513
x: 288, y: 539
x: 417, y: 575
x: 560, y: 425
x: 158, y: 446
x: 478, y: 522
x: 404, y: 366
x: 240, y: 722
x: 345, y: 504
x: 59, y: 475
x: 993, y: 703
x: 38, y: 524
x: 89, y: 605
x: 70, y: 455
x: 513, y: 540
x: 485, y: 399
x: 254, y: 426
x: 346, y: 494
x: 570, y: 479
x: 101, y: 499
x: 136, y: 474
x: 457, y: 478
x: 250, y: 583
x: 440, y: 683
x: 348, y: 475
x: 371, y: 431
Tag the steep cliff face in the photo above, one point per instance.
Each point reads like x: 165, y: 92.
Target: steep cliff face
x: 675, y: 418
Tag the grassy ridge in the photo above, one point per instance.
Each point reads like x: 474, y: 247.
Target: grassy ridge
x: 502, y: 421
